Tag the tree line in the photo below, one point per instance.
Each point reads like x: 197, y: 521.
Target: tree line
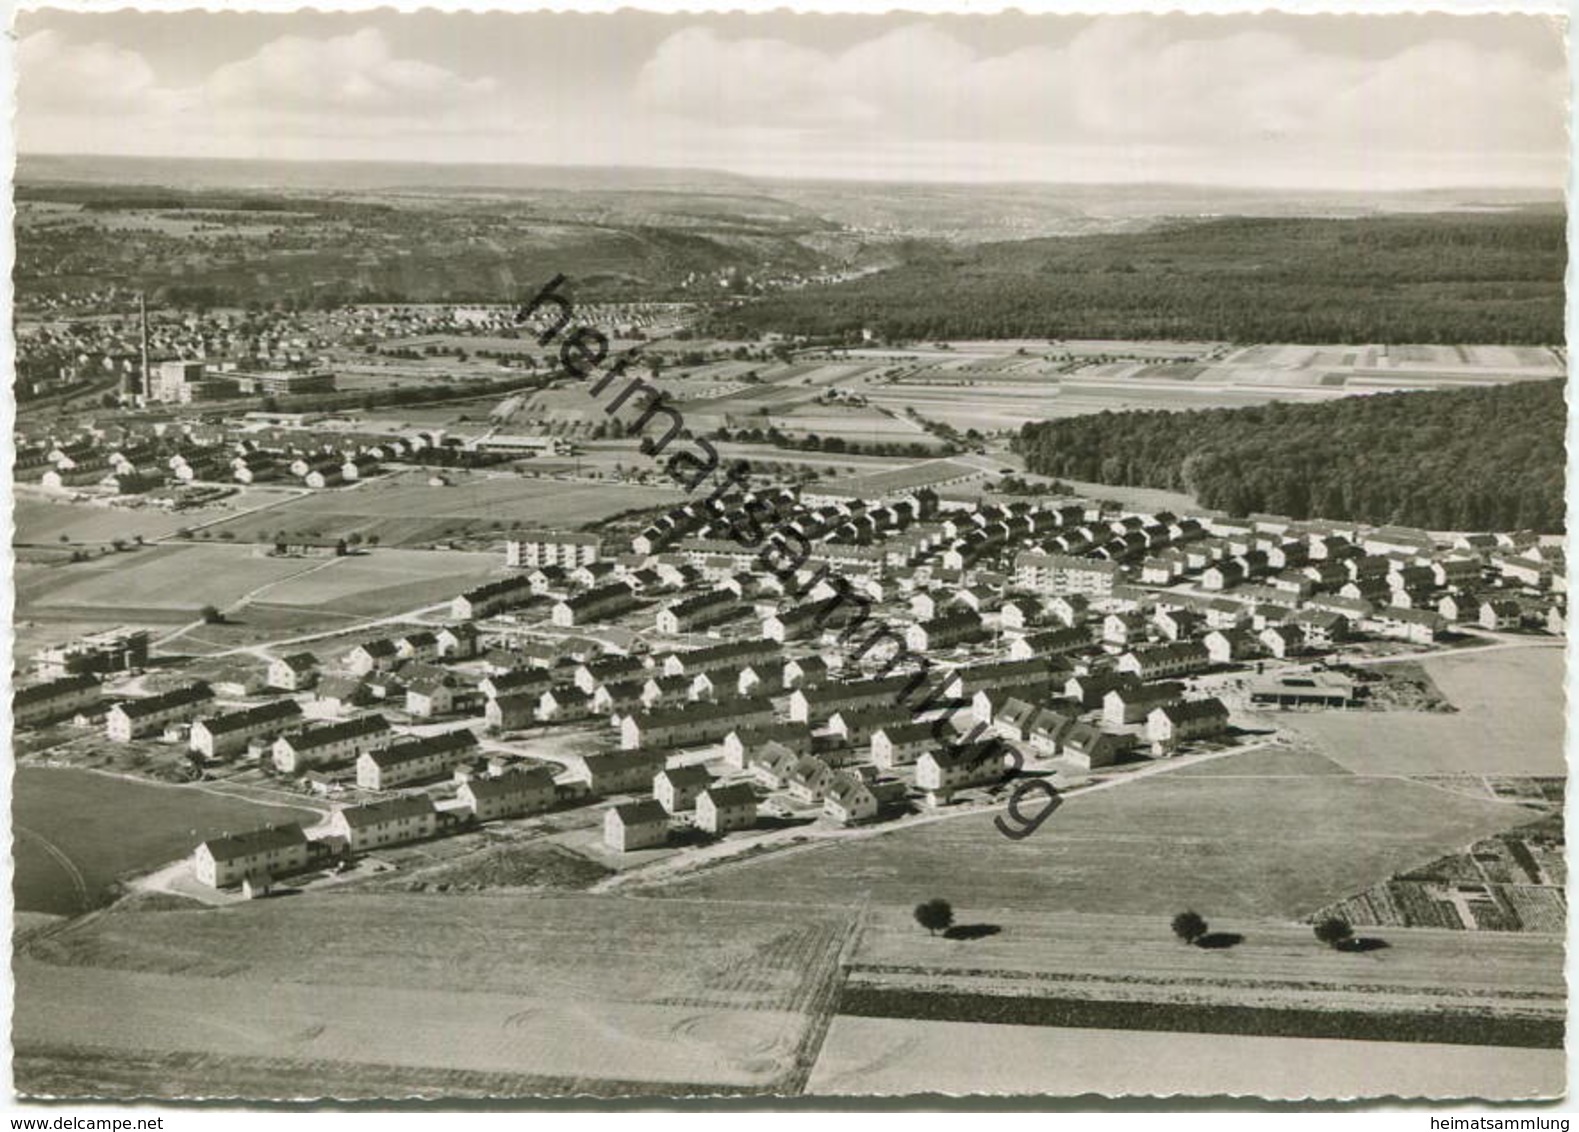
x: 1440, y: 278
x: 1463, y: 459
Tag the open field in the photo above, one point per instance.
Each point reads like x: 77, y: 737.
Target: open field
x: 460, y: 1031
x: 988, y: 386
x: 72, y: 1070
x: 1133, y: 966
x: 44, y: 521
x: 167, y: 579
x: 1220, y: 843
x: 888, y: 1056
x: 386, y: 580
x: 173, y: 581
x: 655, y: 990
x: 1268, y: 762
x: 404, y: 511
x: 255, y: 624
x: 78, y: 831
x: 1509, y: 721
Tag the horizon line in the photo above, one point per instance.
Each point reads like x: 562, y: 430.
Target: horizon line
x: 1556, y: 193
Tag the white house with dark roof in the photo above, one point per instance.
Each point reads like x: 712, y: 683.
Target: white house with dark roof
x: 902, y: 743
x: 693, y: 724
x: 956, y: 767
x: 258, y: 855
x: 635, y: 825
x: 380, y: 824
x: 317, y: 744
x: 372, y: 656
x: 293, y: 673
x: 511, y: 712
x: 221, y: 735
x: 1171, y: 725
x: 1135, y: 703
x: 721, y: 809
x: 677, y: 788
x: 1162, y: 661
x: 413, y: 760
x: 52, y: 699
x: 512, y: 794
x: 133, y: 719
x: 742, y: 743
x: 620, y: 772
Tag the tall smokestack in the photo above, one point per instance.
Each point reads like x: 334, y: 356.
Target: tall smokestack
x: 147, y: 379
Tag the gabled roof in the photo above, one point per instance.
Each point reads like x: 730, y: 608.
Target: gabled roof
x: 1148, y: 693
x: 43, y: 693
x: 510, y: 783
x: 613, y: 761
x: 641, y: 813
x: 684, y: 776
x: 176, y: 697
x: 1194, y: 709
x: 702, y: 712
x: 306, y: 738
x: 392, y: 809
x: 735, y: 794
x: 905, y: 731
x: 235, y: 845
x: 412, y: 750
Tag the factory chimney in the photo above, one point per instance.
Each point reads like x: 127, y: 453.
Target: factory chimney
x: 146, y: 387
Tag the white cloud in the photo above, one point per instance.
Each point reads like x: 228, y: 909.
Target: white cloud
x: 1126, y: 80
x: 57, y: 75
x: 356, y: 74
x: 1124, y: 98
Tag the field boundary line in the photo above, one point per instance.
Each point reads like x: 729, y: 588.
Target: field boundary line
x: 58, y: 855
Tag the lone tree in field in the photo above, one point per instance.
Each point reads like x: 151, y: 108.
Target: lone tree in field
x: 1189, y: 926
x: 211, y: 615
x: 1333, y: 932
x: 935, y: 915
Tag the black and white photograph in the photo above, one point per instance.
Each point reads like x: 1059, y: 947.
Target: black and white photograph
x: 648, y: 555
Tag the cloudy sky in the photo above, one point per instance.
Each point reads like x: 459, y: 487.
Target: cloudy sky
x: 1393, y: 101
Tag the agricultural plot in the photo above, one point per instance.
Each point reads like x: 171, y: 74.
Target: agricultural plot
x: 1513, y: 882
x: 1509, y: 721
x: 652, y: 990
x: 404, y: 511
x: 987, y: 391
x: 931, y: 473
x: 386, y: 580
x: 892, y: 1056
x: 851, y: 422
x: 44, y: 521
x: 1222, y: 843
x: 162, y: 582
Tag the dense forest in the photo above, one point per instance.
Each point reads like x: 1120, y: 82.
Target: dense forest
x: 1463, y: 459
x: 1444, y: 277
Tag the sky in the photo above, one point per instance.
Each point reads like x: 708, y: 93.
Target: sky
x: 1274, y: 100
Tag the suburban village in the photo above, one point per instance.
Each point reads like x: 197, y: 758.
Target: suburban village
x: 681, y: 698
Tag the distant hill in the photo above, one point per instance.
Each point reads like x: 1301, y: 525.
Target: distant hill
x: 360, y: 176
x: 1451, y: 277
x: 1463, y: 459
